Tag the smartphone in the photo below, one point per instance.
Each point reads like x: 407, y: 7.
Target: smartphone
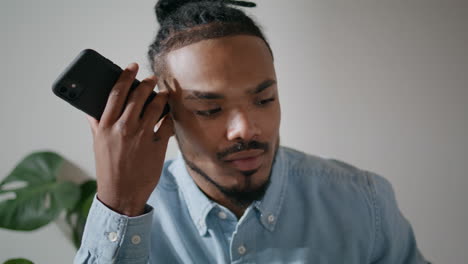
x: 87, y: 82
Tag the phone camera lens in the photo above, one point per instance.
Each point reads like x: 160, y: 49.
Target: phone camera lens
x: 63, y: 89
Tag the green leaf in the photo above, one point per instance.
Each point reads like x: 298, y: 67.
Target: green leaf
x: 35, y: 168
x: 87, y: 189
x: 80, y: 212
x: 18, y: 261
x: 38, y: 196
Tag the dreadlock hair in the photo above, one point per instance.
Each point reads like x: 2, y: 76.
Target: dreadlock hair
x: 184, y: 22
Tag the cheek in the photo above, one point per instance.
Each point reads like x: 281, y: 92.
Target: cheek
x: 198, y: 138
x: 270, y: 122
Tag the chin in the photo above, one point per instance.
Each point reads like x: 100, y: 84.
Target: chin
x: 251, y: 179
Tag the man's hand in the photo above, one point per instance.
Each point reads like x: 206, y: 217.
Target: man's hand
x: 129, y: 154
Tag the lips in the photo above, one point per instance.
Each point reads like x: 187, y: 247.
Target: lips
x: 246, y: 160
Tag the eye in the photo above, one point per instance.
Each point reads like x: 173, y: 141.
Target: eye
x: 208, y: 112
x: 265, y: 101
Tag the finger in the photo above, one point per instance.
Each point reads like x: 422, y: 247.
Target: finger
x: 166, y: 130
x: 154, y: 110
x: 137, y: 99
x: 93, y: 123
x: 118, y: 94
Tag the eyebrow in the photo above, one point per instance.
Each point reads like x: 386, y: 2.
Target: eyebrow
x: 262, y: 86
x: 198, y: 95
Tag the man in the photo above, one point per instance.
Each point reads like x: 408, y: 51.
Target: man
x: 234, y: 195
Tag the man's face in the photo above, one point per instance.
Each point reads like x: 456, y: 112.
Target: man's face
x: 226, y: 112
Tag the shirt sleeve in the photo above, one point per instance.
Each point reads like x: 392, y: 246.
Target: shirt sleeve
x: 395, y: 241
x: 110, y: 237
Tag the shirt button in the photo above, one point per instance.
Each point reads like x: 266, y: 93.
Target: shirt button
x: 241, y: 250
x: 271, y: 218
x: 112, y: 236
x: 136, y: 239
x: 222, y: 215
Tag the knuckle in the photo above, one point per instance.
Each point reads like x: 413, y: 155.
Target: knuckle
x: 130, y: 104
x: 123, y: 128
x: 116, y: 92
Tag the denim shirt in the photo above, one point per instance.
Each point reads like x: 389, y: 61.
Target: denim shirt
x: 315, y: 210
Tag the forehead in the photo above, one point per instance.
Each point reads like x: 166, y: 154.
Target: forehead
x: 219, y: 64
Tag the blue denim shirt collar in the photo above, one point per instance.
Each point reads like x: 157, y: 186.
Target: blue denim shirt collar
x: 199, y: 205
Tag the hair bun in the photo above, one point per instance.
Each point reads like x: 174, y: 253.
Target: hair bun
x: 164, y: 8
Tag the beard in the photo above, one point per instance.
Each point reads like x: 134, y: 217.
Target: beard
x: 249, y: 193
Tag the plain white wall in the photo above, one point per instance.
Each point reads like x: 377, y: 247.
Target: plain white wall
x: 380, y: 84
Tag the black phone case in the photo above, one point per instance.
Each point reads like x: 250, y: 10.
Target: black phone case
x: 87, y: 82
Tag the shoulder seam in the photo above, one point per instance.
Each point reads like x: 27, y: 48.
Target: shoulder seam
x: 332, y: 174
x: 376, y: 214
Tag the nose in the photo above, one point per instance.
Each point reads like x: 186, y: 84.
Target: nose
x: 242, y: 126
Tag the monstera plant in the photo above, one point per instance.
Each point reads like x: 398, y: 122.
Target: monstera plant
x: 32, y: 196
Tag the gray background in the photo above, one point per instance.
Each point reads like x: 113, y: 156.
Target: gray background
x: 379, y: 84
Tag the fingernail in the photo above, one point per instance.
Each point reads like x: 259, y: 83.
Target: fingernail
x: 132, y: 67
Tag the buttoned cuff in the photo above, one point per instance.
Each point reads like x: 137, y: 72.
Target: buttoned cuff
x: 110, y: 236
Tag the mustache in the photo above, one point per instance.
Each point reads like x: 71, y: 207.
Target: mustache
x: 243, y: 146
